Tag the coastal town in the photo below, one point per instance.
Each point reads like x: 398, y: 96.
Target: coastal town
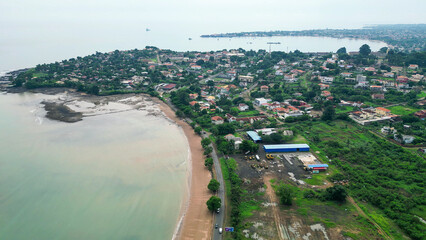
x: 310, y: 145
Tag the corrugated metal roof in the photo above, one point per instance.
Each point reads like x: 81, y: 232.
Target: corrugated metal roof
x: 254, y: 136
x: 317, y: 165
x: 285, y: 146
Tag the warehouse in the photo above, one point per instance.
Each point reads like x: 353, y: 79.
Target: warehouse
x: 254, y: 136
x: 286, y: 148
x: 316, y: 168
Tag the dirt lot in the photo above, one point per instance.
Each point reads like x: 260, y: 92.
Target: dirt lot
x: 283, y: 165
x: 303, y: 220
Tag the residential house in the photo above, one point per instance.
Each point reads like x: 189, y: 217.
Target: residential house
x: 264, y: 88
x: 413, y: 66
x: 243, y: 78
x: 402, y: 79
x: 388, y: 130
x: 323, y: 86
x: 217, y: 120
x: 375, y: 88
x: 193, y: 96
x: 260, y: 101
x: 405, y: 138
x: 421, y: 114
x: 378, y: 96
x: 382, y: 111
x: 389, y: 74
x: 243, y: 107
x: 326, y: 80
x: 325, y: 93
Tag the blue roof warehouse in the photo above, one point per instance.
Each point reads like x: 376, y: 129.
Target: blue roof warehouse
x: 286, y: 148
x: 254, y: 136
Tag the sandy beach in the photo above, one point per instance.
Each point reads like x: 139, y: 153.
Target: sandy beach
x: 197, y: 220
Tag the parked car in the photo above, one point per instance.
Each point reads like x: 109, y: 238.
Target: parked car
x: 216, y: 225
x: 220, y: 230
x: 218, y: 210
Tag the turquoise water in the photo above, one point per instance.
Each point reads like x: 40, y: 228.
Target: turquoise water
x: 115, y: 176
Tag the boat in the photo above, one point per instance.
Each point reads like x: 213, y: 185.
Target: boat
x: 189, y: 38
x: 148, y: 29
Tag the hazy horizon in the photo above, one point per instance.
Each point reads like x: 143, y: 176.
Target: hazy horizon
x: 33, y: 32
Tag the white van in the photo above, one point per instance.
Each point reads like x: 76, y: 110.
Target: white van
x: 220, y: 230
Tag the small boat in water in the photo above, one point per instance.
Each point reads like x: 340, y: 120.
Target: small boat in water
x: 189, y: 38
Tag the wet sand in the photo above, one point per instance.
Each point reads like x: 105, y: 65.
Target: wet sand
x: 197, y: 220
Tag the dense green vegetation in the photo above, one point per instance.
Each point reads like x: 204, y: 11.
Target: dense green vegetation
x: 379, y: 172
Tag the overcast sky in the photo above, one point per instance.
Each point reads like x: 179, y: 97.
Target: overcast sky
x: 209, y: 15
x: 41, y: 31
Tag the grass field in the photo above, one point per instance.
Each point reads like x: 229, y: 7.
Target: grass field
x: 403, y: 110
x: 248, y: 113
x: 421, y: 95
x: 343, y: 109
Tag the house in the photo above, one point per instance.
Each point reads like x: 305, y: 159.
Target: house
x: 266, y: 131
x: 421, y: 114
x: 323, y: 86
x: 243, y: 107
x: 416, y: 78
x: 260, y: 101
x: 217, y: 120
x: 402, y: 79
x: 243, y: 78
x: 279, y: 73
x: 230, y: 118
x: 196, y: 67
x: 413, y: 66
x: 382, y: 111
x: 388, y: 130
x: 346, y: 74
x: 396, y: 69
x: 361, y: 78
x: 169, y: 87
x: 327, y: 80
x: 370, y: 69
x: 280, y: 110
x: 405, y: 138
x: 264, y: 88
x: 375, y: 88
x: 193, y: 103
x: 325, y: 93
x: 389, y: 74
x: 193, y: 95
x: 378, y: 96
x: 237, y: 140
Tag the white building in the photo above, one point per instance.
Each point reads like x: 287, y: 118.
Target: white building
x: 260, y: 101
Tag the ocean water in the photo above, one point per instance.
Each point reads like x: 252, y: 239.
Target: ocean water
x: 114, y: 176
x: 31, y: 48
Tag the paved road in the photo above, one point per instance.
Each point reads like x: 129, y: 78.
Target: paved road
x: 221, y: 193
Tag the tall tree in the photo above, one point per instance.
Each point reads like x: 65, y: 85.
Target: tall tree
x: 214, y: 203
x: 341, y: 50
x: 328, y: 113
x: 364, y: 50
x: 213, y: 185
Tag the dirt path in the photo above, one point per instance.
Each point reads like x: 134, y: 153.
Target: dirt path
x: 360, y: 211
x: 197, y: 220
x: 273, y: 199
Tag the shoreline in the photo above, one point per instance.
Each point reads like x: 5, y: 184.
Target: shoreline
x: 195, y: 221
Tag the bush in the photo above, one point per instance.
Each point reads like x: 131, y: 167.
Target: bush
x: 285, y: 193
